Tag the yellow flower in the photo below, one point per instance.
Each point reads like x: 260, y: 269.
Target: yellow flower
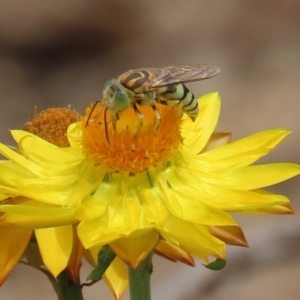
x: 58, y: 247
x: 169, y: 184
x: 139, y: 188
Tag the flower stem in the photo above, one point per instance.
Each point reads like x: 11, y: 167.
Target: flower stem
x: 139, y: 280
x: 68, y: 289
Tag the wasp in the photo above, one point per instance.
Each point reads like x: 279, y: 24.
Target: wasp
x: 150, y: 85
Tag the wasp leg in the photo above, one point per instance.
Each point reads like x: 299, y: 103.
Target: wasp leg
x: 158, y: 117
x: 105, y: 125
x: 90, y: 114
x: 141, y: 118
x: 113, y: 119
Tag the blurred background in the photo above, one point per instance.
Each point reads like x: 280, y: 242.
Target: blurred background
x: 55, y: 53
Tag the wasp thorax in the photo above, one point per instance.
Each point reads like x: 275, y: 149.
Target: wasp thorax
x: 128, y: 145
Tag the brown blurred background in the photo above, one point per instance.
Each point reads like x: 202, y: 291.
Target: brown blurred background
x: 55, y: 53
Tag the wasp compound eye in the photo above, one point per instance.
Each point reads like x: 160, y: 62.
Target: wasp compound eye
x: 121, y: 100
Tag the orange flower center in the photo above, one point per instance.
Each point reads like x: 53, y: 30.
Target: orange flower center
x: 52, y: 124
x: 133, y: 146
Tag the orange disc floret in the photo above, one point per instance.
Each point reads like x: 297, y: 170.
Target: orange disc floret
x: 132, y: 147
x: 52, y: 124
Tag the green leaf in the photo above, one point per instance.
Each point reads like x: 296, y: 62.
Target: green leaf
x: 105, y: 258
x: 216, y: 265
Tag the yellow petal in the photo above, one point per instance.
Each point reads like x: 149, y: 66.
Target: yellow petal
x: 284, y: 209
x: 231, y: 235
x: 254, y: 177
x: 67, y: 190
x: 194, y: 239
x: 89, y: 178
x: 3, y: 196
x: 134, y: 249
x: 121, y: 219
x: 217, y: 191
x: 55, y: 246
x: 11, y: 172
x: 97, y: 232
x: 20, y: 160
x: 217, y: 139
x: 197, y: 135
x: 45, y: 158
x: 75, y: 134
x: 34, y: 214
x: 193, y: 210
x: 96, y: 205
x: 38, y: 150
x: 116, y: 278
x: 244, y: 151
x: 174, y: 252
x: 244, y: 178
x: 13, y: 243
x: 243, y: 200
x: 91, y: 208
x: 154, y: 211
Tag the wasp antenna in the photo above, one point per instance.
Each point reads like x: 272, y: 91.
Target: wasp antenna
x: 105, y: 124
x: 90, y: 114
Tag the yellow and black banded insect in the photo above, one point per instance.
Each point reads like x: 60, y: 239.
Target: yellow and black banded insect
x: 147, y: 86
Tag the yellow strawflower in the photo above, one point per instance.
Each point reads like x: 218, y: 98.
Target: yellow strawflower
x: 138, y: 189
x: 57, y: 247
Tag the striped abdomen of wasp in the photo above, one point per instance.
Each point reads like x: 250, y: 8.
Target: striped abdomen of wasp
x: 145, y: 87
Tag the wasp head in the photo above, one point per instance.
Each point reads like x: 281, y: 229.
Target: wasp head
x: 115, y: 97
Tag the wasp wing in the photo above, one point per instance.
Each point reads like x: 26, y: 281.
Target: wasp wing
x: 185, y: 73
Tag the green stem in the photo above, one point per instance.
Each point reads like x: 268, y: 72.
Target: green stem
x: 68, y: 289
x: 139, y: 280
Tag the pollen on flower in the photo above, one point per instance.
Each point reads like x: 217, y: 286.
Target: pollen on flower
x: 52, y: 124
x: 131, y: 148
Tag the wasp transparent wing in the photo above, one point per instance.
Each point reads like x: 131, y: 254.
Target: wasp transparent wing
x: 186, y: 73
